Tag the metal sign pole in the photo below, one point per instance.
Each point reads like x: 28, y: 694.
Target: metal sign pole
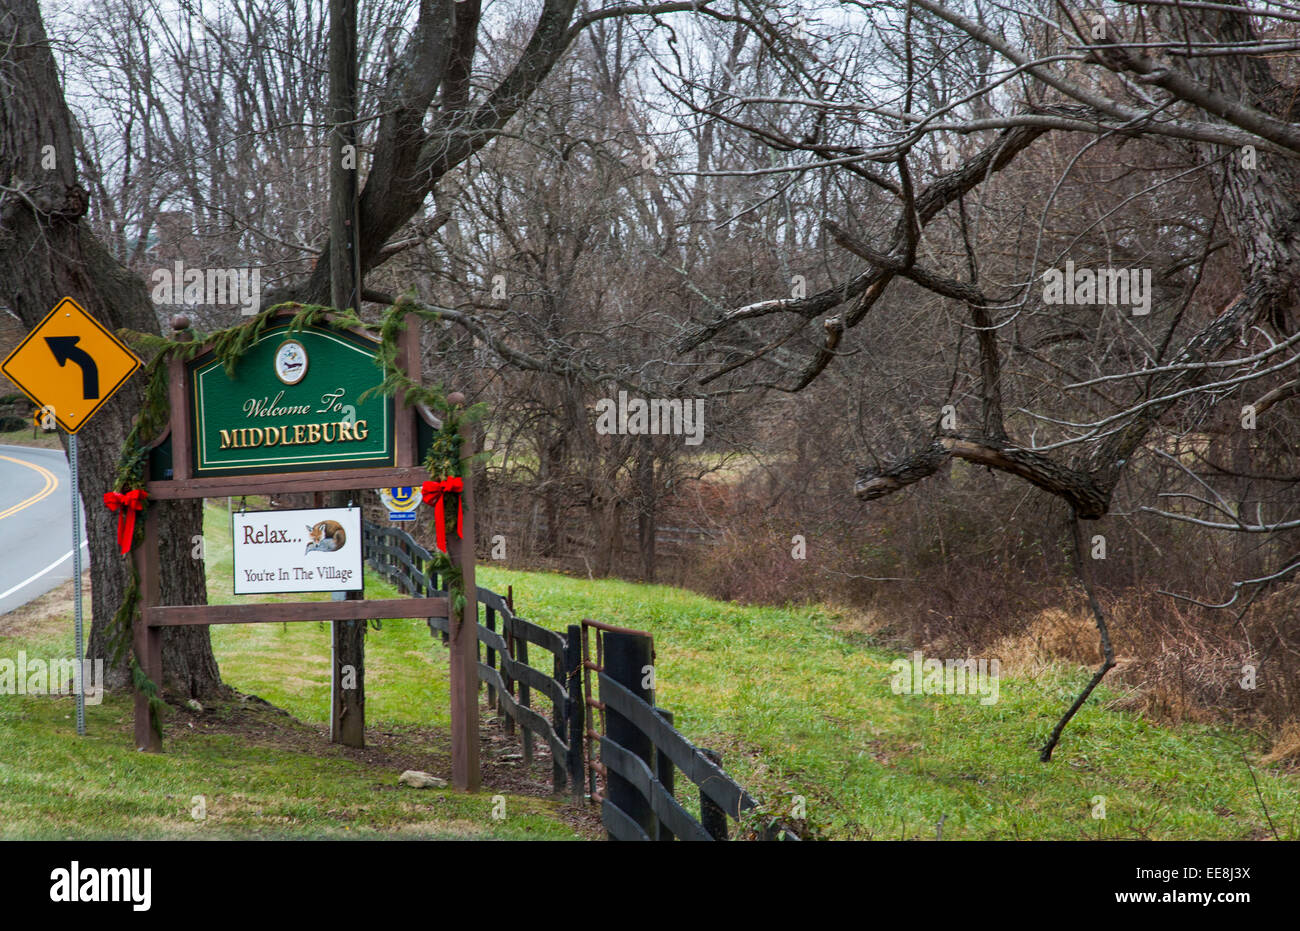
x: 40, y: 366
x: 79, y: 672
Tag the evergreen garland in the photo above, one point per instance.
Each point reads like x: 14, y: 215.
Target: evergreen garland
x: 229, y: 345
x: 120, y: 634
x: 149, y: 689
x: 444, y: 459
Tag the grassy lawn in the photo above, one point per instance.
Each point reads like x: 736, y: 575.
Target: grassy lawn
x: 260, y: 772
x: 24, y: 437
x: 798, y: 703
x: 54, y: 785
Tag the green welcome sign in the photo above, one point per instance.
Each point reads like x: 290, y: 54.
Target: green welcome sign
x: 293, y: 404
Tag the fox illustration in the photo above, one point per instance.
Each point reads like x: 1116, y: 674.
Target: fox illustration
x: 326, y: 537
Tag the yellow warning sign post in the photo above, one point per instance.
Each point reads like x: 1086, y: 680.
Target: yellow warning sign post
x: 70, y: 364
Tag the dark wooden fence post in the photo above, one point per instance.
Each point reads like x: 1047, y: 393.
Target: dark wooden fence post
x: 525, y: 699
x: 508, y: 631
x: 558, y: 766
x: 626, y: 657
x: 664, y: 773
x: 712, y: 816
x: 576, y: 712
x: 491, y: 656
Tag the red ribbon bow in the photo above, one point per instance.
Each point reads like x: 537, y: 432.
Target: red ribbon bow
x: 126, y: 504
x: 434, y: 493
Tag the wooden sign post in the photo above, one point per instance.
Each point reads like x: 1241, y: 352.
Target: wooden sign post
x: 244, y: 434
x: 464, y: 637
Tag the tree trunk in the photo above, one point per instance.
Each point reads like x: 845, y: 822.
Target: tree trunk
x: 646, y: 511
x: 551, y: 474
x: 613, y: 527
x: 47, y: 252
x: 349, y: 711
x: 348, y: 726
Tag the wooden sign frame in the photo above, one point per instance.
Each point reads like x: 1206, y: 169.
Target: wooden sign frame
x: 152, y: 617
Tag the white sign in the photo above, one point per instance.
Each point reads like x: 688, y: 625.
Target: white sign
x: 316, y: 550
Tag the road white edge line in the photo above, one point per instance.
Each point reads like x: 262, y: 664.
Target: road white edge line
x: 85, y: 544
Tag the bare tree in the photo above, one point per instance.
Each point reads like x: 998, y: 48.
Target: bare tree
x: 431, y: 111
x: 1067, y: 399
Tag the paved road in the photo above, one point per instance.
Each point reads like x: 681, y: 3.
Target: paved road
x: 35, y: 524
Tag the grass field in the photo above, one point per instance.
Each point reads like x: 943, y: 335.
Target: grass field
x: 256, y: 771
x: 799, y: 704
x: 24, y: 437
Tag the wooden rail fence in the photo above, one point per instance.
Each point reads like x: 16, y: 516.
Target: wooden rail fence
x: 505, y: 666
x: 640, y: 752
